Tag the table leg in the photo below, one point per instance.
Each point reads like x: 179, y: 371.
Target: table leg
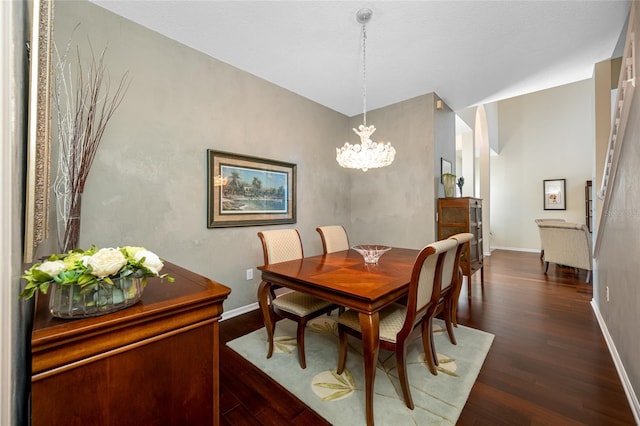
x: 369, y: 325
x: 269, y: 324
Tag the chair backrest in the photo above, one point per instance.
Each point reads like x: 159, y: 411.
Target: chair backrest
x: 334, y: 238
x: 541, y: 221
x: 426, y: 277
x: 566, y: 243
x: 461, y: 239
x: 281, y: 245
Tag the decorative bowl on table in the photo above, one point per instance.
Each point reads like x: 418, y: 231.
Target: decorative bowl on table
x: 371, y: 252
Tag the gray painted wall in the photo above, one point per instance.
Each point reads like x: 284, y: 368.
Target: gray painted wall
x: 395, y: 206
x: 147, y: 184
x: 620, y: 249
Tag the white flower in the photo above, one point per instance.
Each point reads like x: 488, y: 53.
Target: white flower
x: 151, y: 260
x: 106, y: 261
x: 52, y: 267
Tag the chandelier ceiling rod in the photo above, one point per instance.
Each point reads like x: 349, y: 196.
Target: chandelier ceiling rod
x: 364, y: 16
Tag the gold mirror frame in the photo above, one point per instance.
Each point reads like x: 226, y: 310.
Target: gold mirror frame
x: 37, y: 184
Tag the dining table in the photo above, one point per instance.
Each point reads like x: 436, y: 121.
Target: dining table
x: 346, y: 280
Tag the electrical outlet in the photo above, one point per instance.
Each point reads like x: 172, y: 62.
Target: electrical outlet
x: 607, y: 293
x: 250, y: 275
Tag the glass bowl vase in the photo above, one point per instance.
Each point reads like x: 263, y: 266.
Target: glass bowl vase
x: 73, y: 301
x: 371, y: 252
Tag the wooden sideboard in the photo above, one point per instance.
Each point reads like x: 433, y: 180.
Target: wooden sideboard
x: 155, y: 363
x: 464, y: 214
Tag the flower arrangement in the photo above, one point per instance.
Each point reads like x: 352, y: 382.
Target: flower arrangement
x: 92, y: 270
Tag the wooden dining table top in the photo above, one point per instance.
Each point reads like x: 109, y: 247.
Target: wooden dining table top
x: 346, y: 278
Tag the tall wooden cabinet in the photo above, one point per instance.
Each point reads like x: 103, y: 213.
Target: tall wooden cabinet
x: 464, y: 214
x: 588, y: 204
x: 155, y: 363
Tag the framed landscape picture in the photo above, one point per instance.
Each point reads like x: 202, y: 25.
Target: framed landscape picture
x: 555, y: 194
x: 248, y: 191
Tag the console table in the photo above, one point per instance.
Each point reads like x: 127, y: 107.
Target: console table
x: 153, y: 363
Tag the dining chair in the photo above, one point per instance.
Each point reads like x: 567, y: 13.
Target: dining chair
x: 281, y: 246
x: 399, y: 323
x: 334, y: 238
x: 445, y: 301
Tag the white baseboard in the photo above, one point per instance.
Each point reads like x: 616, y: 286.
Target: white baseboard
x: 626, y: 384
x: 239, y: 311
x: 528, y: 250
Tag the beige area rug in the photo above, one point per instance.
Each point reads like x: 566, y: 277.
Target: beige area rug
x: 340, y: 399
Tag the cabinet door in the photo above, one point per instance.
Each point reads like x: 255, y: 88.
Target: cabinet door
x: 475, y: 227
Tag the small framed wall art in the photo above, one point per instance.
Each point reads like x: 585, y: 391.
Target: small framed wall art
x: 248, y: 191
x: 445, y: 167
x: 555, y: 194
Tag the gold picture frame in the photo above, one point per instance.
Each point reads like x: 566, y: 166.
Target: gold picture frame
x: 39, y: 119
x: 249, y: 191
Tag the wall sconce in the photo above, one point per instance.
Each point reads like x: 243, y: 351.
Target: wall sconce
x: 439, y: 104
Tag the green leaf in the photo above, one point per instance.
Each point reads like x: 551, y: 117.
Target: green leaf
x: 28, y: 292
x: 336, y: 395
x: 331, y: 385
x: 38, y: 275
x: 85, y: 279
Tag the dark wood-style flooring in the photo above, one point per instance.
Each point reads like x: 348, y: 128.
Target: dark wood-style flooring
x: 548, y: 365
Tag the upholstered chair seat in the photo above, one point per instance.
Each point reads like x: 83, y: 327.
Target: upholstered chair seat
x: 300, y: 304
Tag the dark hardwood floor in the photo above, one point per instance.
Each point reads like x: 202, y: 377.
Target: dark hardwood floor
x: 548, y: 365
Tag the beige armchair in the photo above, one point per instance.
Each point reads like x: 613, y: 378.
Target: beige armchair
x: 538, y: 222
x: 566, y: 244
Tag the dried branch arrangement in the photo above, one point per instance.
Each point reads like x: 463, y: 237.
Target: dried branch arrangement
x: 83, y: 106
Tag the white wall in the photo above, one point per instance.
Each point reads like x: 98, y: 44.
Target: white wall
x: 543, y: 135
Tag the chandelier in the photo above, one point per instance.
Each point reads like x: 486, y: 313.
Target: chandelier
x: 367, y: 154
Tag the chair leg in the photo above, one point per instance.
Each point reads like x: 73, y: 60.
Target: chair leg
x: 270, y: 333
x: 546, y: 267
x: 428, y: 346
x: 300, y: 339
x: 342, y: 356
x: 447, y: 320
x: 401, y: 363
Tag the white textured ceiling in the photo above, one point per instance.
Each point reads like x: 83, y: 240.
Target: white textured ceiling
x: 468, y: 52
